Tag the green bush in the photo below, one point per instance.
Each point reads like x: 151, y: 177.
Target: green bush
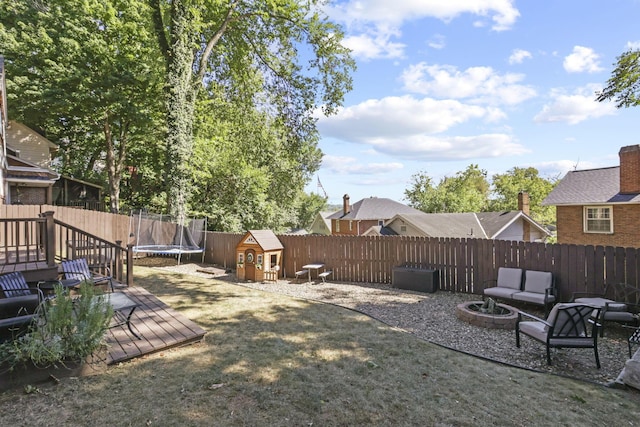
x: 67, y: 329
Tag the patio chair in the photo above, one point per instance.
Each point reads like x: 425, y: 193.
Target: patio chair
x: 78, y: 269
x: 18, y: 307
x: 567, y: 326
x: 619, y: 302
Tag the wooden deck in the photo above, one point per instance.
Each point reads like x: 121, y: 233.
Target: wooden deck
x: 159, y: 325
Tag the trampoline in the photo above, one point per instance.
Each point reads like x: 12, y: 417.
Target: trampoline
x: 157, y: 234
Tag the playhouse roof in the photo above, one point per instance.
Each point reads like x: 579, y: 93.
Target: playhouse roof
x: 266, y: 239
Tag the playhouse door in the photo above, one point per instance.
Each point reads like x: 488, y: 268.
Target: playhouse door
x: 250, y: 266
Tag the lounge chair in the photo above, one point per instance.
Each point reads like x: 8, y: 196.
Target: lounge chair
x: 18, y: 307
x: 566, y: 326
x: 78, y: 269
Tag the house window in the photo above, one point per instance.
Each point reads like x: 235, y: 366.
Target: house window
x: 350, y: 225
x: 598, y: 219
x: 338, y: 226
x: 403, y: 228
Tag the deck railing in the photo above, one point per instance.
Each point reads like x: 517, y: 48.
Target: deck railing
x: 28, y: 243
x: 24, y: 241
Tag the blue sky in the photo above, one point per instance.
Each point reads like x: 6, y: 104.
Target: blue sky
x: 442, y: 84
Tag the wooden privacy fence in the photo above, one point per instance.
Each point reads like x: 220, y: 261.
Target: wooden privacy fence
x: 464, y: 264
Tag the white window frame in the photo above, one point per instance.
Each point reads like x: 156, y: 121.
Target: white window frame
x: 600, y: 214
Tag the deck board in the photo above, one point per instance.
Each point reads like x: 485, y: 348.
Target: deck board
x: 159, y: 325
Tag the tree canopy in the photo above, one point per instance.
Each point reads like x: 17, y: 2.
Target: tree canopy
x: 206, y: 105
x: 282, y: 56
x: 624, y: 84
x: 470, y: 191
x: 467, y: 191
x: 86, y: 74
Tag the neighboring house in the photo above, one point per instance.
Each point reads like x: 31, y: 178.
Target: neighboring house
x: 27, y: 174
x: 321, y: 224
x: 510, y: 225
x: 600, y: 206
x: 31, y: 180
x: 366, y: 213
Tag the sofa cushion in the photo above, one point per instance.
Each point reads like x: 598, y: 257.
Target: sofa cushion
x: 533, y: 297
x: 496, y: 292
x: 537, y: 281
x: 510, y: 278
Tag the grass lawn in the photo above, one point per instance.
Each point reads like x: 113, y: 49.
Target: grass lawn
x: 273, y: 360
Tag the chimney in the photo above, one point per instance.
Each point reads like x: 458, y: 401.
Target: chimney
x: 345, y: 204
x: 630, y: 169
x: 523, y: 205
x: 523, y: 202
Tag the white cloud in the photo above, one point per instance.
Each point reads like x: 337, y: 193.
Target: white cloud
x: 478, y: 84
x: 633, y: 45
x: 437, y: 42
x: 436, y: 148
x: 350, y: 165
x: 583, y: 59
x: 502, y: 13
x: 518, y: 56
x: 371, y: 24
x: 407, y: 128
x: 398, y: 117
x: 574, y: 108
x: 371, y: 46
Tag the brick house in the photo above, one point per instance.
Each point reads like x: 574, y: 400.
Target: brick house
x: 371, y: 212
x: 600, y: 206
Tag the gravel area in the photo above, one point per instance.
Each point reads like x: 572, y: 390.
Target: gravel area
x: 431, y: 316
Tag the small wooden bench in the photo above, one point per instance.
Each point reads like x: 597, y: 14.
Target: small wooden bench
x: 301, y: 273
x: 324, y: 275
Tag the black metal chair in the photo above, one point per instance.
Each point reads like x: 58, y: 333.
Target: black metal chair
x: 566, y: 326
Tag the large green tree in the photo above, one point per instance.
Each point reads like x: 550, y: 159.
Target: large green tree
x: 467, y: 191
x: 88, y: 75
x: 505, y: 189
x: 624, y: 84
x: 282, y: 56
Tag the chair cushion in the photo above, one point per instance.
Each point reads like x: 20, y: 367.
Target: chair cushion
x: 536, y: 330
x: 595, y: 301
x: 619, y: 316
x: 496, y: 292
x: 533, y: 297
x: 537, y: 281
x: 510, y: 278
x: 617, y: 306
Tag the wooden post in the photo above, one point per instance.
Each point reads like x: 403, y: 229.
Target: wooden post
x: 118, y: 260
x: 130, y: 264
x: 50, y: 243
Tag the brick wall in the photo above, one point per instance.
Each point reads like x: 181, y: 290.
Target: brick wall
x: 630, y: 169
x: 626, y: 227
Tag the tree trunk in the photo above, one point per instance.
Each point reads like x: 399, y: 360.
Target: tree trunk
x: 180, y: 110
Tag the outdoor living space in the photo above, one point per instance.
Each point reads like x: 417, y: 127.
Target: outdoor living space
x: 274, y: 359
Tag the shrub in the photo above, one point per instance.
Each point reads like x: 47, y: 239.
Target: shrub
x: 68, y: 329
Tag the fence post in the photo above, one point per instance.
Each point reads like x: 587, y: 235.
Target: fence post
x: 50, y: 242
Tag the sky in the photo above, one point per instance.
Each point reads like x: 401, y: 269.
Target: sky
x: 444, y: 84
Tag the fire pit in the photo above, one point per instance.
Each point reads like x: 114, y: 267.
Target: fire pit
x: 487, y: 314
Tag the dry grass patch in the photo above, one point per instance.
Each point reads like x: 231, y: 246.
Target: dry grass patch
x: 268, y: 359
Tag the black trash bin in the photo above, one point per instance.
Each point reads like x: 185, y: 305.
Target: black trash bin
x: 415, y: 279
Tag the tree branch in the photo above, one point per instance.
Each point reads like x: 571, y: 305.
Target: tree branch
x: 214, y: 40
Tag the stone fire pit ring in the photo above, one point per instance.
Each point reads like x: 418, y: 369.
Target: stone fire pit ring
x: 469, y: 312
